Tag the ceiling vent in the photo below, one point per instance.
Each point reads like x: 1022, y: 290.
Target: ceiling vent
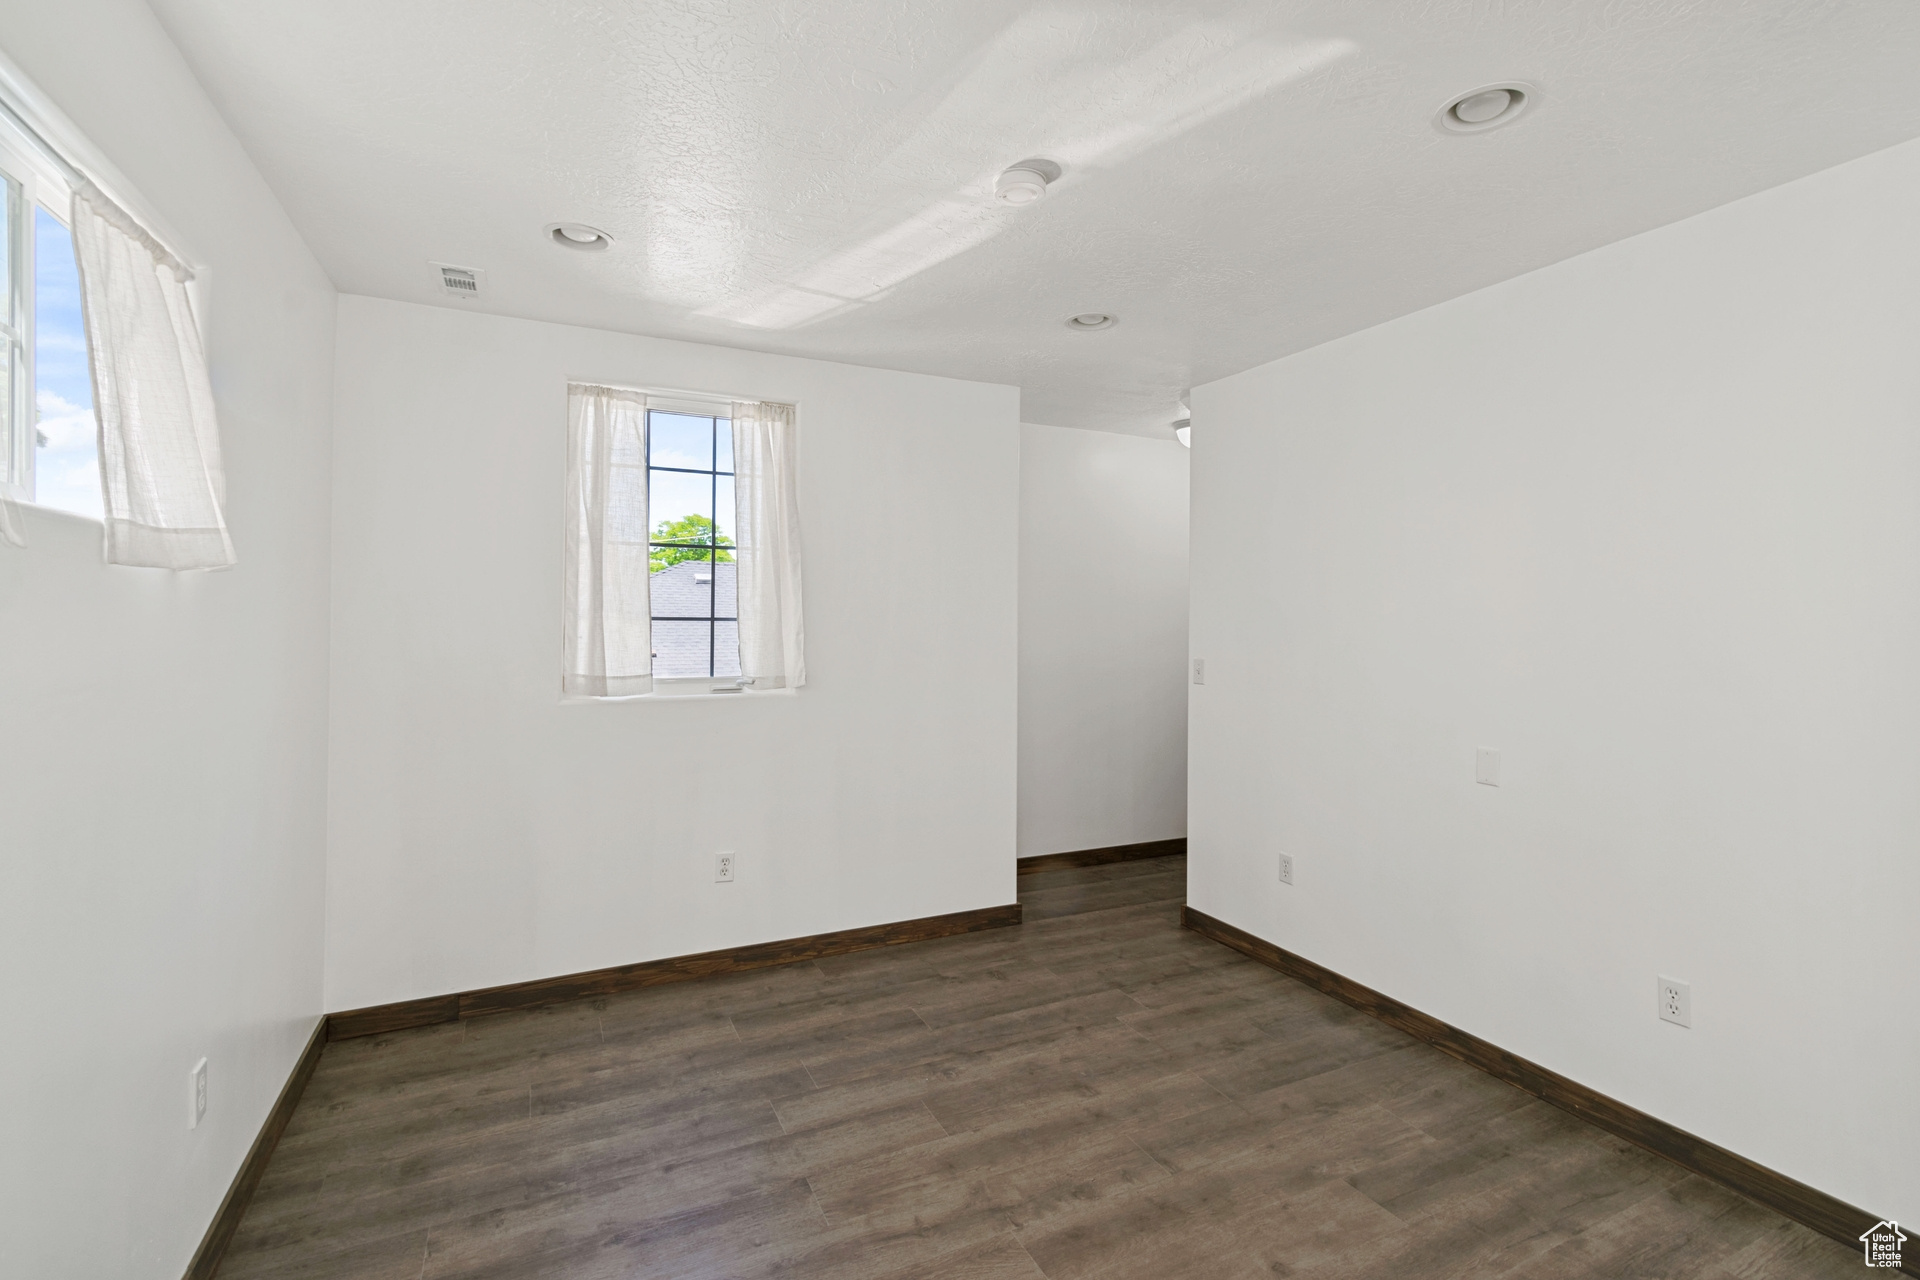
x: 460, y: 282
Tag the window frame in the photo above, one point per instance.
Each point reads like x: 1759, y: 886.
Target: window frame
x: 42, y: 186
x: 698, y: 403
x: 713, y: 414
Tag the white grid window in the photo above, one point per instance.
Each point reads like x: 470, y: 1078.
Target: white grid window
x: 683, y: 552
x: 47, y: 430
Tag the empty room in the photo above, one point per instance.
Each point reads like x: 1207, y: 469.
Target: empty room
x: 959, y: 640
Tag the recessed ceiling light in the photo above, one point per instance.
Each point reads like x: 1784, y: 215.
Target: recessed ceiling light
x: 1183, y: 432
x: 578, y: 235
x: 1088, y: 321
x: 1025, y: 182
x: 1485, y: 108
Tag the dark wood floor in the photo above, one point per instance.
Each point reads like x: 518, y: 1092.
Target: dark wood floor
x: 1095, y: 1093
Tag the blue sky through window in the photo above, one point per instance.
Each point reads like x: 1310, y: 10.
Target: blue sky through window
x: 67, y: 466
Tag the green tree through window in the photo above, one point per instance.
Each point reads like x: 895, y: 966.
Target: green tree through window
x: 696, y: 530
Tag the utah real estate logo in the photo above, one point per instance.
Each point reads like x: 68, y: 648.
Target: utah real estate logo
x: 1882, y: 1243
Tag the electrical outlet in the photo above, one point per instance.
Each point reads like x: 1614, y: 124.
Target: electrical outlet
x: 1199, y: 670
x: 197, y: 1094
x: 1286, y: 868
x: 1676, y: 1002
x: 723, y: 868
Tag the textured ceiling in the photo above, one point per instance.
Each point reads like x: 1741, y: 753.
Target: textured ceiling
x: 1242, y: 180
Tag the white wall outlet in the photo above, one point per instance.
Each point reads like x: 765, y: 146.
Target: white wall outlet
x: 197, y: 1094
x: 1286, y: 868
x: 1486, y: 767
x: 1199, y: 670
x: 1676, y: 1002
x: 723, y: 868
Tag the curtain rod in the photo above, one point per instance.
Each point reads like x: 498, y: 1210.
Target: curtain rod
x: 101, y: 202
x: 67, y: 168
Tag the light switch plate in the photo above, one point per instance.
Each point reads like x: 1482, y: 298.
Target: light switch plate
x: 197, y: 1094
x: 1486, y: 767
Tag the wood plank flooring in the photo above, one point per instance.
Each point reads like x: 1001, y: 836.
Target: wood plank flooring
x: 1095, y: 1093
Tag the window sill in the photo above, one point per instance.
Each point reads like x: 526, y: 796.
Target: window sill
x: 701, y: 693
x: 59, y: 513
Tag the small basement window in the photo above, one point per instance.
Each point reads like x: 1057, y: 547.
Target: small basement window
x: 47, y: 430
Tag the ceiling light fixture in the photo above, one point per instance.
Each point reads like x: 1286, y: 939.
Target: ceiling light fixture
x: 1025, y: 182
x: 1487, y: 107
x: 1088, y: 321
x: 1183, y: 432
x: 578, y: 235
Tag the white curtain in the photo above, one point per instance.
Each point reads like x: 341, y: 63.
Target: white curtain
x: 160, y: 470
x: 607, y: 612
x: 767, y: 527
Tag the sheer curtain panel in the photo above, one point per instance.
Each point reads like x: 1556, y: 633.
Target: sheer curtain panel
x: 608, y: 624
x: 767, y: 522
x: 160, y: 473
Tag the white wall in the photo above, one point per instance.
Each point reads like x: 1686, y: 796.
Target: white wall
x: 1103, y: 639
x: 1648, y: 523
x: 485, y: 832
x: 162, y: 801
